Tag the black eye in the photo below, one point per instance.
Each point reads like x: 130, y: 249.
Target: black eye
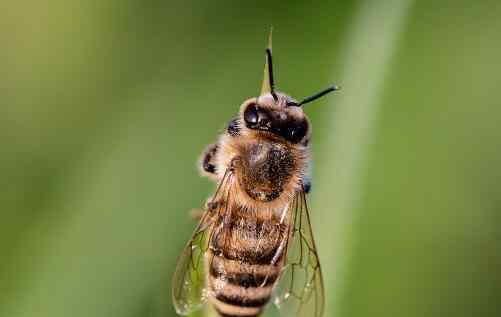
x: 251, y: 116
x: 297, y: 132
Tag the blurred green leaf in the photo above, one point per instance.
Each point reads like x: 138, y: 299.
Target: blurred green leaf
x: 106, y: 105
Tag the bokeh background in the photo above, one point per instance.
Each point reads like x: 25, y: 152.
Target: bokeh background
x: 105, y: 107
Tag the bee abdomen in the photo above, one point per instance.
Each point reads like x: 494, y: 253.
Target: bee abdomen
x: 243, y: 274
x: 226, y: 315
x: 254, y: 257
x: 250, y: 241
x: 240, y: 288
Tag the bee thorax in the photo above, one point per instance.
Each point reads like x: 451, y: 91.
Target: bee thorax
x: 266, y: 168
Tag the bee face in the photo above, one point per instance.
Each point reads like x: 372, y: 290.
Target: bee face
x: 282, y: 118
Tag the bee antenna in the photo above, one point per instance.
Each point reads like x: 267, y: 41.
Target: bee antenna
x: 270, y: 74
x: 318, y: 95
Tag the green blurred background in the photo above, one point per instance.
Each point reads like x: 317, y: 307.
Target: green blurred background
x: 106, y: 105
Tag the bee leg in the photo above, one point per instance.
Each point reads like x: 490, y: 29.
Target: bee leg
x: 197, y: 213
x: 307, y: 185
x: 207, y: 161
x: 212, y: 205
x: 233, y: 128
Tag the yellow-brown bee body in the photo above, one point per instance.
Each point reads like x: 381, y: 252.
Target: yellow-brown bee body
x: 242, y: 248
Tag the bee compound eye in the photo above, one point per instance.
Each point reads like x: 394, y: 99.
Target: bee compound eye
x: 297, y: 133
x: 251, y: 115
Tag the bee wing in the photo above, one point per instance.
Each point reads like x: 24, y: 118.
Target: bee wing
x: 189, y: 289
x: 300, y: 291
x: 188, y: 282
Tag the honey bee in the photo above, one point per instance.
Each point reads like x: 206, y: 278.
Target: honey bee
x: 254, y: 241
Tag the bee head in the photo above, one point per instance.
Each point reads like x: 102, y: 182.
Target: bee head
x: 280, y: 118
x: 277, y: 112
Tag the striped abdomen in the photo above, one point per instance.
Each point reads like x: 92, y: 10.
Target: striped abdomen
x: 244, y: 260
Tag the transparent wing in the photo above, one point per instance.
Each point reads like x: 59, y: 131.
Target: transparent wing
x: 300, y: 291
x: 189, y: 290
